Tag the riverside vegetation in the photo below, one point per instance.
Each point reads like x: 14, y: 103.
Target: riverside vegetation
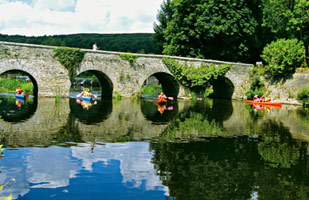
x: 10, y: 85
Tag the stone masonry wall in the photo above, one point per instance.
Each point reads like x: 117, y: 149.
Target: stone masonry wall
x: 126, y: 78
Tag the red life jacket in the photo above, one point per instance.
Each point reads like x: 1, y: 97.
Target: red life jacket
x: 19, y: 91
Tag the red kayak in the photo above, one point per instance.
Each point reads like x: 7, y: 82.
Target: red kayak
x: 264, y: 103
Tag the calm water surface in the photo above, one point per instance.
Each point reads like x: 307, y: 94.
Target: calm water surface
x: 212, y: 149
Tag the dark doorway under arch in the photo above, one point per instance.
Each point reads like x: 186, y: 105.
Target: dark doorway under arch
x: 223, y: 88
x: 104, y: 82
x: 170, y: 86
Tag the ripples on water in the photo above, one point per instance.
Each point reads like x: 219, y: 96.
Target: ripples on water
x: 212, y: 149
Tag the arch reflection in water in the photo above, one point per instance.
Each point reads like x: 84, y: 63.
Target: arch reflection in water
x: 17, y: 110
x: 213, y: 109
x: 94, y: 114
x: 153, y: 112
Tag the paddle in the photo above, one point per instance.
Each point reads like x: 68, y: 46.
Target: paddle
x: 170, y: 108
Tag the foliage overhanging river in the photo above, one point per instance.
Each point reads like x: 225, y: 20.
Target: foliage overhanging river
x: 212, y: 149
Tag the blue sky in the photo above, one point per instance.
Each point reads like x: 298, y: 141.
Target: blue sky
x: 50, y: 17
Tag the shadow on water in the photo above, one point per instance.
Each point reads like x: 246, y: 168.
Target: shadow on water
x: 94, y: 114
x: 159, y: 114
x: 17, y: 110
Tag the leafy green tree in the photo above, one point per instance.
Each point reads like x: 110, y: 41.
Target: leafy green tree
x: 288, y: 19
x: 282, y: 57
x: 217, y: 29
x: 164, y: 16
x: 275, y: 18
x: 256, y: 86
x: 53, y: 42
x: 299, y: 22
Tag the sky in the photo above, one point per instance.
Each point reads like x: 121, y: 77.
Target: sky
x: 54, y: 17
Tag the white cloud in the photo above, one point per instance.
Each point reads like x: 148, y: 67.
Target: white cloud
x: 59, y: 5
x: 45, y: 17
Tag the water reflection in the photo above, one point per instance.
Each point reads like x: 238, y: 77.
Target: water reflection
x: 235, y: 168
x: 17, y: 110
x: 276, y: 146
x: 66, y: 173
x: 197, y: 150
x: 95, y: 113
x: 159, y: 113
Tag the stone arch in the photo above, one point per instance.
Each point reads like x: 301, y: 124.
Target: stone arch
x: 169, y: 84
x: 33, y: 80
x: 106, y: 83
x: 223, y: 88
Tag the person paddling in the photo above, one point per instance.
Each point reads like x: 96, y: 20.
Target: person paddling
x: 162, y: 96
x: 19, y: 90
x: 86, y: 93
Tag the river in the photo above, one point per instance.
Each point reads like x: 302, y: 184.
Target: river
x: 136, y: 149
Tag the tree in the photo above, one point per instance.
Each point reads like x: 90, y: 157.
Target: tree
x: 288, y: 19
x: 164, y: 16
x: 275, y: 18
x: 53, y: 42
x: 217, y: 29
x: 299, y: 22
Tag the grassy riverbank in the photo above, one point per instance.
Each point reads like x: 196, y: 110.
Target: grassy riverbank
x: 153, y: 90
x: 8, y: 85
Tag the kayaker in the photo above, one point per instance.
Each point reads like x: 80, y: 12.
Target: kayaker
x: 256, y: 98
x: 89, y: 94
x: 19, y: 90
x: 262, y: 99
x: 162, y: 96
x: 86, y: 93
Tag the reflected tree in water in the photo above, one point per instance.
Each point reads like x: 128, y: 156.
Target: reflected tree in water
x: 218, y: 169
x: 273, y: 166
x: 277, y: 147
x: 199, y: 120
x: 192, y: 125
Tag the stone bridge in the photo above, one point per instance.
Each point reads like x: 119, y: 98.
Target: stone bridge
x: 116, y: 76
